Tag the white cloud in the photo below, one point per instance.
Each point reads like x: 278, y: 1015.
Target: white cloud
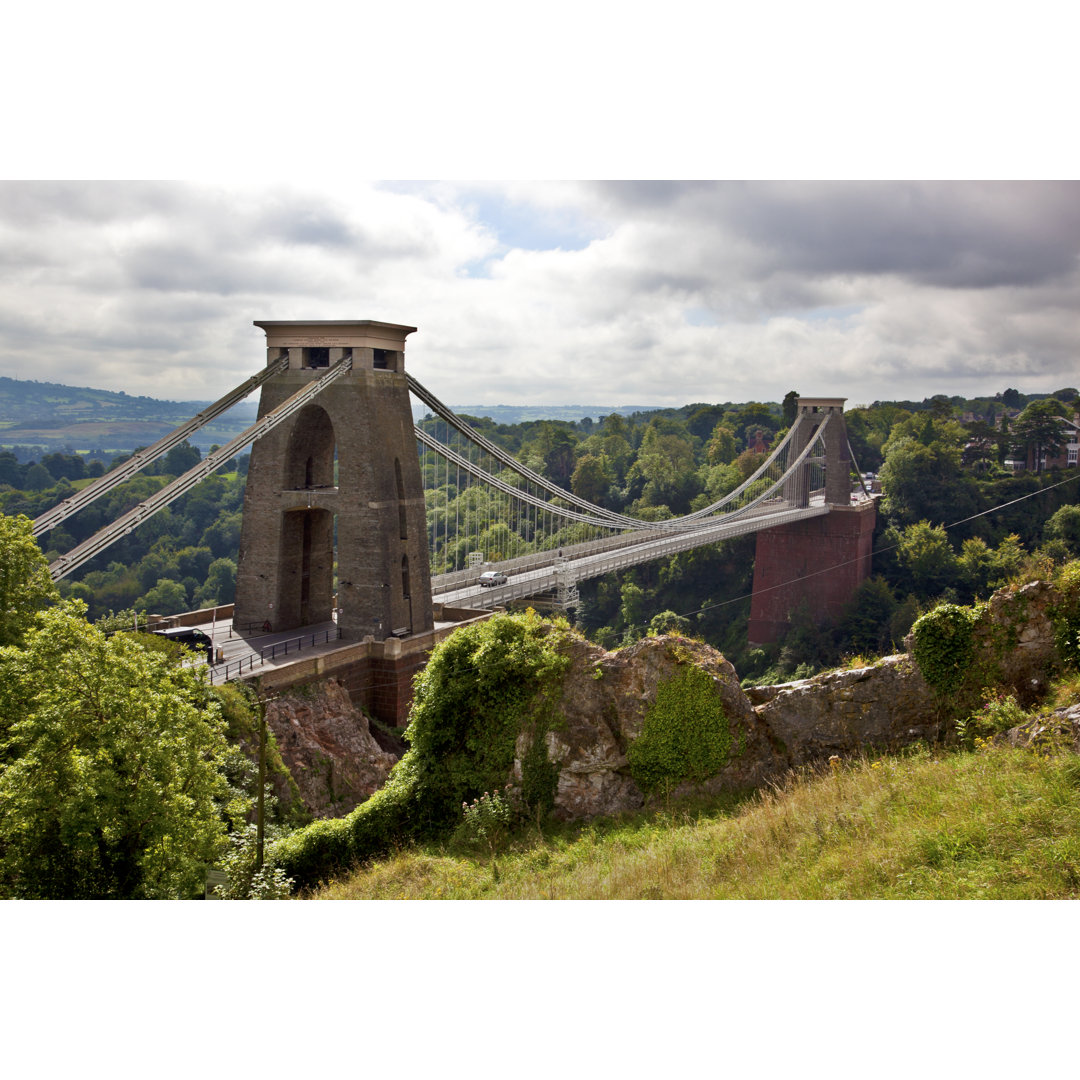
x: 565, y: 292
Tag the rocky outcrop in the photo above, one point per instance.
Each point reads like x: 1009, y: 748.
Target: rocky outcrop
x: 884, y: 706
x: 601, y: 705
x: 605, y: 697
x: 877, y: 708
x: 602, y: 708
x: 1054, y: 730
x: 327, y: 744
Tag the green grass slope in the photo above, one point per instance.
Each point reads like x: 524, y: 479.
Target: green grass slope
x: 995, y: 823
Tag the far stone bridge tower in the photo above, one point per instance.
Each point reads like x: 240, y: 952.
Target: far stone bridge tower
x: 820, y: 561
x: 340, y: 476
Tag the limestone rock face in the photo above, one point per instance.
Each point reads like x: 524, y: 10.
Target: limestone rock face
x: 884, y: 706
x: 1015, y: 630
x: 602, y: 708
x: 326, y: 743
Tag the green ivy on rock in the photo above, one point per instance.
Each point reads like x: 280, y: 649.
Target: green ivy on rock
x: 686, y: 734
x: 944, y: 646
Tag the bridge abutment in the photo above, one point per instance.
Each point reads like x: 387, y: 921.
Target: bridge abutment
x: 820, y: 561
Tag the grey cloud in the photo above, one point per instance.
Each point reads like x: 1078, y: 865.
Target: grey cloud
x: 178, y: 265
x: 952, y: 235
x: 949, y: 234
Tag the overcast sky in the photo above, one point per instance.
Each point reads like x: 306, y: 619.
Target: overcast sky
x: 591, y: 293
x: 565, y: 293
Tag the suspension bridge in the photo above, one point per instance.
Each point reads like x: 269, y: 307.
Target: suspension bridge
x: 355, y: 513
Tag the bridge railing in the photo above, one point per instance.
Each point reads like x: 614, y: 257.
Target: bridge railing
x: 283, y: 648
x: 536, y: 560
x: 220, y: 673
x: 566, y: 571
x: 234, y: 669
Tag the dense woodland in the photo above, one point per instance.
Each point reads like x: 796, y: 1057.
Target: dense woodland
x: 954, y: 523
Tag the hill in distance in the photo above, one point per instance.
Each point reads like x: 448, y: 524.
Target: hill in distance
x: 54, y: 416
x: 519, y: 414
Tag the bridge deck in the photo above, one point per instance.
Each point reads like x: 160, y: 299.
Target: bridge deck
x: 576, y: 567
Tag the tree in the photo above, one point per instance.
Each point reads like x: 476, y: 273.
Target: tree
x: 940, y: 407
x: 1037, y: 432
x: 11, y: 471
x: 981, y: 449
x: 165, y: 598
x: 754, y: 415
x: 976, y: 564
x: 220, y: 584
x: 1064, y: 525
x: 865, y: 623
x: 668, y: 622
x: 556, y: 444
x: 632, y: 608
x: 790, y: 407
x: 112, y: 758
x: 26, y: 586
x: 38, y: 478
x: 618, y: 453
x: 925, y: 482
x: 1007, y: 561
x: 665, y: 465
x: 928, y: 558
x: 223, y: 537
x: 178, y: 460
x: 591, y: 478
x: 721, y: 449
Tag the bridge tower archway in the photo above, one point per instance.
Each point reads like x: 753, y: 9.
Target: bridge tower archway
x: 338, y: 482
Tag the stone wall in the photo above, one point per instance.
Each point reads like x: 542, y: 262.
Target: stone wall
x: 378, y: 675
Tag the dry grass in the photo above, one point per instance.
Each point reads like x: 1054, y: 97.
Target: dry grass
x: 996, y: 823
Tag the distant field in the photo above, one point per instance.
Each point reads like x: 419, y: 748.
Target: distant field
x: 94, y: 433
x: 53, y: 416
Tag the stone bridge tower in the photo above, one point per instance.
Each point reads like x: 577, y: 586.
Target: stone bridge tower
x: 820, y: 561
x: 339, y: 477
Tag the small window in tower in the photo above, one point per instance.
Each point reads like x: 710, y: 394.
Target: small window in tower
x: 317, y: 358
x: 381, y: 358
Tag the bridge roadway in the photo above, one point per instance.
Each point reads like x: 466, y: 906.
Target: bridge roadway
x: 583, y: 561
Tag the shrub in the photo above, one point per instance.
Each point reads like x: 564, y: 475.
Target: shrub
x: 999, y: 713
x: 245, y: 882
x: 1066, y: 615
x: 686, y: 734
x: 944, y: 645
x: 486, y: 820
